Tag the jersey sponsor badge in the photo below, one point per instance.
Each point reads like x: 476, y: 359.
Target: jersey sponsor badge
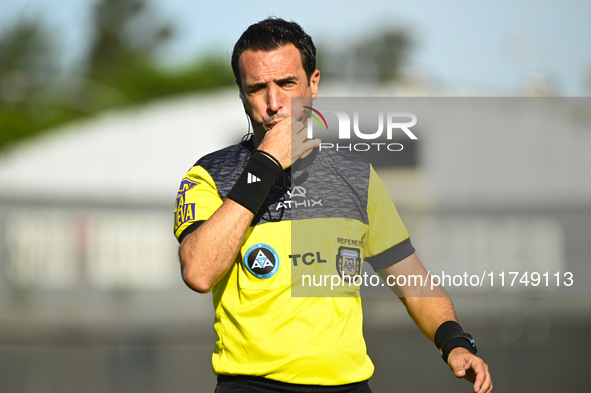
x: 261, y: 260
x: 184, y: 212
x: 348, y: 261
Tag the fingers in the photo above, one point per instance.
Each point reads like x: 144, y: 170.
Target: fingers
x: 480, y: 375
x: 471, y: 368
x: 288, y: 136
x: 300, y: 144
x: 277, y: 142
x: 310, y: 144
x: 297, y: 127
x: 483, y: 383
x: 300, y: 147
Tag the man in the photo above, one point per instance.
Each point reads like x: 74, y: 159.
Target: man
x: 238, y: 238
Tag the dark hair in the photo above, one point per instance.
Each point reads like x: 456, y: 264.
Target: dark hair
x: 273, y: 33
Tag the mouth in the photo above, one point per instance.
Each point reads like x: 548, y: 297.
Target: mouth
x: 272, y: 124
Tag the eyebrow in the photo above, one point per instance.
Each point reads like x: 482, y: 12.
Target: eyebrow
x: 260, y: 85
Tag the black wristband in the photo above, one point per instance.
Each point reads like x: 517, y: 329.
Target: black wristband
x: 270, y: 156
x: 252, y: 187
x: 450, y: 335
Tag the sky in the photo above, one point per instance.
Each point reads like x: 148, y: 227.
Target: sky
x: 489, y: 45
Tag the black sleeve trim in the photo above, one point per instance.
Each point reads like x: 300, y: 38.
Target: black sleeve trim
x: 188, y: 230
x: 392, y: 255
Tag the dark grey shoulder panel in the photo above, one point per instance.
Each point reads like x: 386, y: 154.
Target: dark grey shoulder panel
x: 341, y: 181
x: 225, y: 166
x: 335, y: 184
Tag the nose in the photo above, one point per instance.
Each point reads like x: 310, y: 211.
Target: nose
x: 275, y: 99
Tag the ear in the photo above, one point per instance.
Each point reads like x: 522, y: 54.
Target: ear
x: 314, y: 81
x: 240, y: 94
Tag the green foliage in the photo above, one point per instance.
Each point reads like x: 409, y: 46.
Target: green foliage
x: 26, y: 64
x: 120, y: 70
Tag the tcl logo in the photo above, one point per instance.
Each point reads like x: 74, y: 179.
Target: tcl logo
x: 307, y: 258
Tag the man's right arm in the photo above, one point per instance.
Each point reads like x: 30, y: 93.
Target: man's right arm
x: 207, y: 253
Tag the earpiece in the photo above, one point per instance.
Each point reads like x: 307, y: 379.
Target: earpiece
x: 241, y: 96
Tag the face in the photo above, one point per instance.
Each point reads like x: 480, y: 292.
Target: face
x: 269, y: 80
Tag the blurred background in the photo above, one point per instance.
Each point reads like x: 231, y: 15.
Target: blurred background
x: 104, y: 105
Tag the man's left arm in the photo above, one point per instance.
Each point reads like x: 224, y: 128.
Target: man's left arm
x: 430, y: 307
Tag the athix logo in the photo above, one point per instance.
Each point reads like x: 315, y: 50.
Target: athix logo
x: 252, y: 178
x: 298, y: 192
x: 344, y: 130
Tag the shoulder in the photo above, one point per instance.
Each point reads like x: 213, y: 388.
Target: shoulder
x: 344, y: 156
x: 225, y: 162
x: 225, y: 156
x: 225, y: 165
x: 349, y: 164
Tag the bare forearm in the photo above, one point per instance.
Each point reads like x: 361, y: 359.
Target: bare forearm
x: 431, y: 307
x: 428, y: 306
x: 429, y: 312
x: 207, y: 253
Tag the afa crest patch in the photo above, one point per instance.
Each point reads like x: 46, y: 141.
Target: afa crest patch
x: 261, y: 261
x: 349, y: 261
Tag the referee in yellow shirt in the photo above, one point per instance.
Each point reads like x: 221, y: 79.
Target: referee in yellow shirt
x: 253, y: 217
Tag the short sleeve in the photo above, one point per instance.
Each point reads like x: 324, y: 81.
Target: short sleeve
x: 196, y: 201
x: 387, y: 240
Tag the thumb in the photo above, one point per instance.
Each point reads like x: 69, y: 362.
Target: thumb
x: 292, y: 121
x: 459, y: 370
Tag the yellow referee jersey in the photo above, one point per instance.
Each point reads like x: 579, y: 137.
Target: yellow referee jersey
x: 278, y: 311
